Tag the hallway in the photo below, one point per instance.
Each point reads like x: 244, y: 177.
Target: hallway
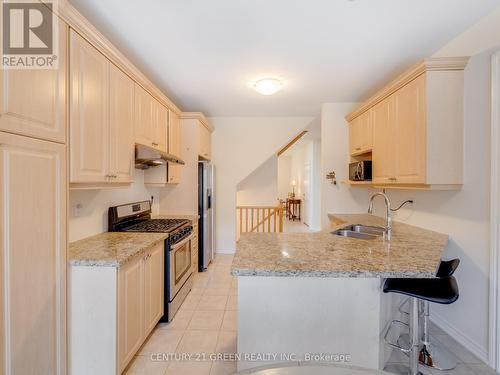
x: 295, y: 227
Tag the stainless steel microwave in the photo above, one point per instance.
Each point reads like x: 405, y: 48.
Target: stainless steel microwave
x: 360, y: 171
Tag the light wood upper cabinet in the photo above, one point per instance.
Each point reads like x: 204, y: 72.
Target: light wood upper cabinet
x: 204, y: 142
x: 130, y: 311
x: 174, y: 147
x: 417, y: 125
x: 169, y: 173
x: 174, y: 134
x: 89, y: 112
x: 399, y: 149
x: 360, y: 134
x: 121, y: 126
x: 101, y: 118
x: 144, y: 116
x: 33, y: 102
x: 384, y: 142
x: 153, y: 287
x: 410, y: 120
x: 161, y: 127
x: 33, y: 242
x: 151, y: 121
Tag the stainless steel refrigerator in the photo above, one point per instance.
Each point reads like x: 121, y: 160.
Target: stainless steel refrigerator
x: 206, y: 211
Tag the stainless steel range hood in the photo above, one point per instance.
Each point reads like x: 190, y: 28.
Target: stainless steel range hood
x: 147, y: 157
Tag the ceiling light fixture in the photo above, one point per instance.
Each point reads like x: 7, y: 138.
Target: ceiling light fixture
x: 268, y: 86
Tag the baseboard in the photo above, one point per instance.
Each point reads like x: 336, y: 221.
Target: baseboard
x: 228, y: 251
x: 462, y: 338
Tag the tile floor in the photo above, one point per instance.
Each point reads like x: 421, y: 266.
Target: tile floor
x: 295, y: 227
x: 207, y: 323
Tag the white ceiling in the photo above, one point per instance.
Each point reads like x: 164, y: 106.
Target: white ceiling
x: 204, y: 53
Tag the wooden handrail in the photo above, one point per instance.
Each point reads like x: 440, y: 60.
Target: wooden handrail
x: 265, y: 219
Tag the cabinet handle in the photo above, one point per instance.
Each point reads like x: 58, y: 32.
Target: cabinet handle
x: 154, y: 144
x: 358, y: 148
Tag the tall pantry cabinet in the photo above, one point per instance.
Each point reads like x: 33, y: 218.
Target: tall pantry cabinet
x: 33, y: 196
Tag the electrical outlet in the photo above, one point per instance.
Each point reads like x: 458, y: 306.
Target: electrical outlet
x: 77, y: 212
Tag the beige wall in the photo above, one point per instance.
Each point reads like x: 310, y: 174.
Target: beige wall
x: 464, y: 215
x: 260, y: 187
x: 240, y: 145
x: 93, y: 215
x: 482, y: 36
x: 335, y: 158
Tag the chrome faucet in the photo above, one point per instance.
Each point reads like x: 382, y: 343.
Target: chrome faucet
x: 388, y: 223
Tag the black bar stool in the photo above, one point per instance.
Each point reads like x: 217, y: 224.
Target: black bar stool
x: 434, y: 355
x: 442, y: 290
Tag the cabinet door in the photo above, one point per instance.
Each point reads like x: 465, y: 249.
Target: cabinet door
x: 121, y: 126
x: 161, y: 127
x: 89, y: 112
x: 153, y: 287
x: 366, y: 130
x: 384, y: 137
x: 33, y: 256
x: 130, y: 311
x: 174, y: 173
x: 360, y: 134
x: 33, y: 102
x: 354, y: 136
x: 174, y: 134
x: 411, y: 132
x: 144, y: 117
x: 204, y: 141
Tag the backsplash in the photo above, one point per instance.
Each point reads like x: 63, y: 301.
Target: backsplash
x: 88, y: 209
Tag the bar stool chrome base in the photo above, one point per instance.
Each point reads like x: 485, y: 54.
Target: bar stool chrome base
x: 438, y: 356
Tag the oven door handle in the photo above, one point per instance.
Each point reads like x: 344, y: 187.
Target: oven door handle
x: 182, y: 243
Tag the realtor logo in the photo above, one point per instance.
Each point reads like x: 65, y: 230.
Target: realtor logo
x: 29, y: 35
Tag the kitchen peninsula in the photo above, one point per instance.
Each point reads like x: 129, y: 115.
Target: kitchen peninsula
x: 304, y: 293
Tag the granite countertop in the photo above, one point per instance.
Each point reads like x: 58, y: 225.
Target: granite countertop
x: 112, y: 249
x: 413, y: 252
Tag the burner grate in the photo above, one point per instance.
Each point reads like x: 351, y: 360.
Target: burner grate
x: 156, y: 225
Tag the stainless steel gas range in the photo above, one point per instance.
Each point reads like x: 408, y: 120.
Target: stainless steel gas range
x: 136, y: 217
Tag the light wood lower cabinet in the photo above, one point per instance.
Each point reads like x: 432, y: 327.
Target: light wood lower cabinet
x: 130, y: 311
x: 33, y: 102
x: 113, y: 310
x: 153, y: 288
x: 33, y: 256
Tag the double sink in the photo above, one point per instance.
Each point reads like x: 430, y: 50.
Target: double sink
x: 359, y: 231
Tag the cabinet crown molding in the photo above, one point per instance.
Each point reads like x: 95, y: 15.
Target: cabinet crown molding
x: 197, y: 116
x: 426, y: 65
x: 82, y: 26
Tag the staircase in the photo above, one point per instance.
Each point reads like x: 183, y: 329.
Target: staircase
x: 264, y: 219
